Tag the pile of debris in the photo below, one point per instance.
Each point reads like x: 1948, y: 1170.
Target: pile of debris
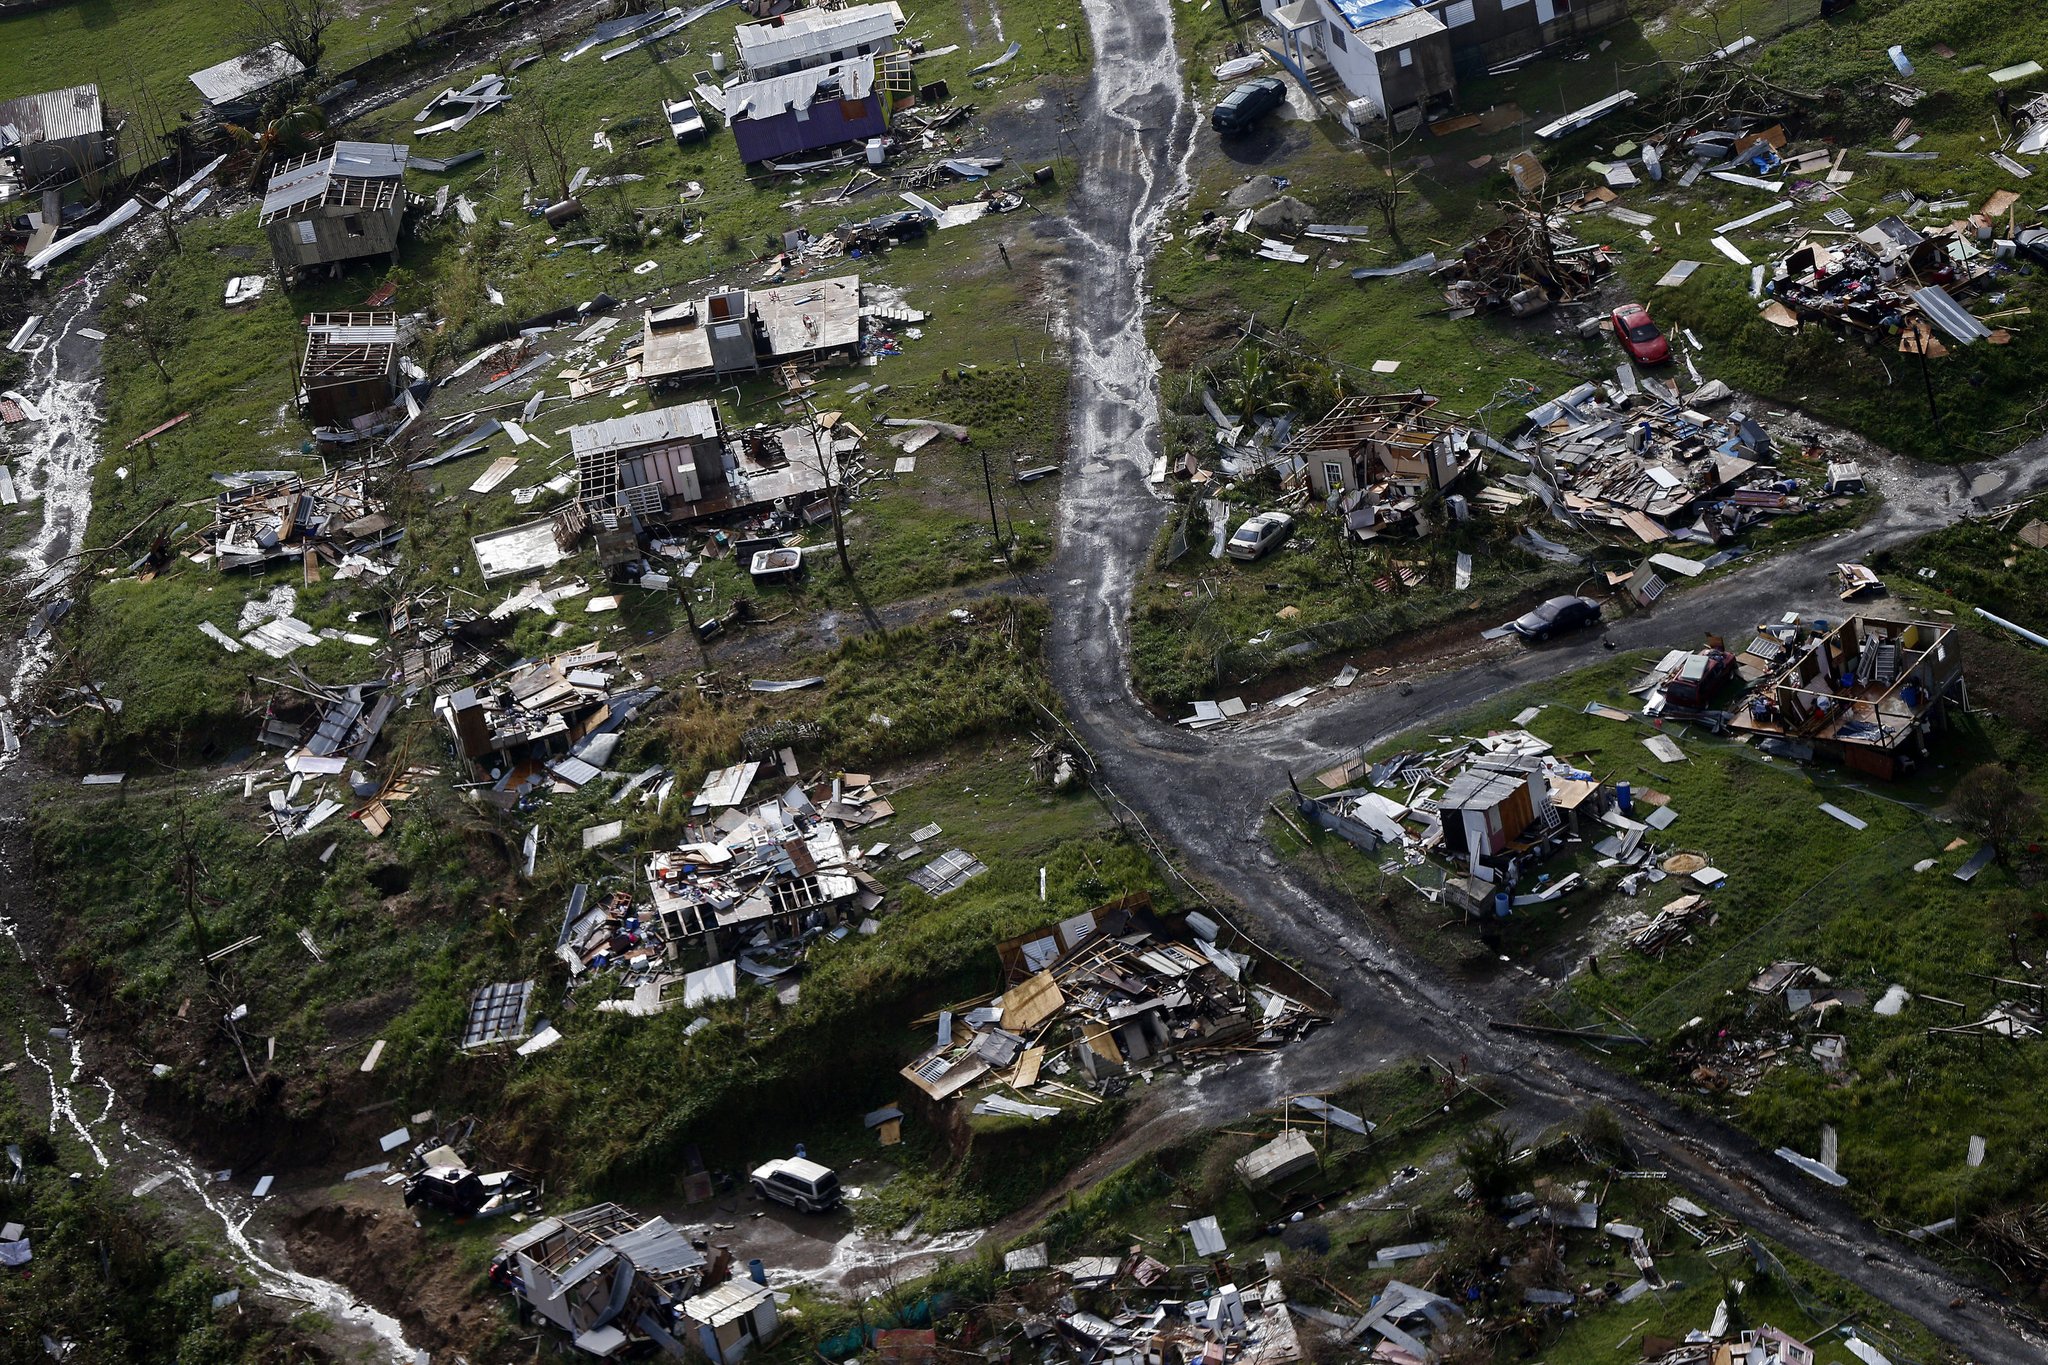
x: 1636, y: 457
x: 762, y: 875
x: 269, y: 516
x: 1889, y: 280
x: 1111, y: 990
x: 1493, y: 807
x: 1525, y: 265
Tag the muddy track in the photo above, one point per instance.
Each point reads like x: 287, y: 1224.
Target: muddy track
x: 1205, y: 794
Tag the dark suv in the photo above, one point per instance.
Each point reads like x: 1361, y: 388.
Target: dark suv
x: 1248, y: 103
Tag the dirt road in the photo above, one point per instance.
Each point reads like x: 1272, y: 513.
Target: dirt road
x: 1205, y: 793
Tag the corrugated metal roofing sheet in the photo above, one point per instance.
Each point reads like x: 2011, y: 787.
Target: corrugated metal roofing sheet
x: 239, y: 77
x: 1951, y: 317
x: 346, y: 160
x: 855, y: 78
x: 683, y: 421
x: 816, y: 33
x: 52, y: 116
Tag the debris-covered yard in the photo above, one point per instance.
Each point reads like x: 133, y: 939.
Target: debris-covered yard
x: 1788, y: 942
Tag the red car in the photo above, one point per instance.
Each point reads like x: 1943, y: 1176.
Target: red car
x: 1639, y: 336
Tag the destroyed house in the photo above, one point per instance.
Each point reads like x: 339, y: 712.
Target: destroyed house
x: 777, y: 868
x: 1644, y: 463
x: 726, y: 1322
x: 1390, y: 59
x: 738, y: 330
x: 325, y: 728
x: 1868, y: 692
x: 342, y: 204
x: 611, y: 1279
x: 1383, y: 456
x: 52, y: 139
x: 1113, y: 988
x: 803, y: 111
x: 1890, y: 278
x: 816, y: 37
x: 267, y: 517
x: 351, y: 366
x: 1497, y: 807
x: 522, y: 728
x: 235, y: 90
x: 659, y: 466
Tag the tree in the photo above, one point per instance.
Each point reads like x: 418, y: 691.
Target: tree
x: 534, y: 134
x: 1991, y: 803
x: 150, y: 327
x: 1487, y: 1157
x: 297, y: 26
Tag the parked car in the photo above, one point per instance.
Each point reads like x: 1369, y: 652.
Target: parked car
x: 464, y: 1193
x: 1260, y: 534
x: 804, y: 1185
x: 1558, y: 614
x: 1247, y: 104
x: 685, y: 120
x: 1639, y: 336
x: 1698, y: 679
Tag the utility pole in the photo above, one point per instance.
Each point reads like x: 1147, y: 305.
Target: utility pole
x: 1927, y: 381
x: 995, y: 528
x: 828, y: 472
x: 690, y: 612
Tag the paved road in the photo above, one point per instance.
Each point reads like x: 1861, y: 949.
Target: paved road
x: 1205, y: 793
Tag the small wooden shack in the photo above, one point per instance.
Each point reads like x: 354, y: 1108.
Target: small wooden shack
x: 342, y: 204
x: 351, y: 366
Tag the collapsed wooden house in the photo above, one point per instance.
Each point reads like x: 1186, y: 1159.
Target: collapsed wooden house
x: 1869, y: 692
x: 350, y: 368
x: 1384, y: 457
x: 265, y: 518
x: 1113, y: 988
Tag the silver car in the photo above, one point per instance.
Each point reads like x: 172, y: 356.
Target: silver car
x: 1260, y: 534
